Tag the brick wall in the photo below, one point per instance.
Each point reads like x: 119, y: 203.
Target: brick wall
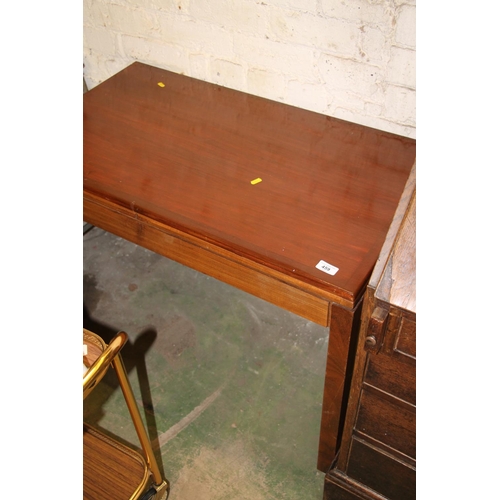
x: 352, y: 59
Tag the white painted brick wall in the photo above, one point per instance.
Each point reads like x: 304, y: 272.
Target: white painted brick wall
x: 376, y: 13
x: 405, y: 28
x: 353, y: 59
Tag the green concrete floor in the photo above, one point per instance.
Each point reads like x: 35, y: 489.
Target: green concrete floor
x: 230, y: 387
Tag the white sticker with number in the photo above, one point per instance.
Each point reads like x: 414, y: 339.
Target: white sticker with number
x: 326, y: 268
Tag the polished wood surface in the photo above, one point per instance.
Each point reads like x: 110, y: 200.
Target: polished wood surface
x: 185, y: 155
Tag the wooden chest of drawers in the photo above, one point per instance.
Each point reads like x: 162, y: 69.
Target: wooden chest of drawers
x: 377, y: 458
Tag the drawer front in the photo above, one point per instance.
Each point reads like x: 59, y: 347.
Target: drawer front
x: 393, y: 376
x: 392, y: 368
x: 335, y: 491
x: 381, y: 472
x: 387, y: 420
x: 406, y: 340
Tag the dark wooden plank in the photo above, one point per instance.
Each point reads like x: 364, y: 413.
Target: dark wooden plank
x: 404, y: 203
x: 406, y: 341
x: 381, y: 472
x: 336, y: 489
x: 398, y: 282
x: 389, y: 374
x: 344, y: 325
x: 387, y: 420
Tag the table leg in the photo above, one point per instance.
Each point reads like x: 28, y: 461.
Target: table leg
x: 344, y: 328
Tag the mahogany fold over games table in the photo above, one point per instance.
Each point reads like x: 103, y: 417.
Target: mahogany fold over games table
x: 286, y: 204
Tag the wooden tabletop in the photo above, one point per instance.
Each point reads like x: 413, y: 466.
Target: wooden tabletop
x: 184, y: 153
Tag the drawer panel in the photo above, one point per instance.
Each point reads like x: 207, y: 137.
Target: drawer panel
x: 334, y: 490
x: 389, y: 374
x: 388, y: 421
x: 406, y: 341
x: 381, y: 472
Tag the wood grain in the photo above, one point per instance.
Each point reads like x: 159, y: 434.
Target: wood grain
x: 185, y: 155
x: 397, y: 481
x: 392, y: 234
x: 387, y: 420
x: 398, y: 283
x: 385, y: 372
x: 110, y: 470
x: 344, y: 326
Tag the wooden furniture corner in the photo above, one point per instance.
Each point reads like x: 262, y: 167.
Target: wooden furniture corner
x: 377, y: 458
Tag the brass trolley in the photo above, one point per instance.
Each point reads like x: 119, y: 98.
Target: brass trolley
x: 111, y: 470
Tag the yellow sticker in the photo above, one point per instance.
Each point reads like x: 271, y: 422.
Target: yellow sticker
x: 161, y: 84
x: 256, y: 181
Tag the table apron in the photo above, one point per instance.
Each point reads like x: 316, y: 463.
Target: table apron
x: 233, y: 269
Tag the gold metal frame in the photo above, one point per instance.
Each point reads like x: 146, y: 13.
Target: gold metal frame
x: 111, y: 356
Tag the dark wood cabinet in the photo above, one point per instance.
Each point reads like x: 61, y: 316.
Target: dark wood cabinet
x: 377, y: 457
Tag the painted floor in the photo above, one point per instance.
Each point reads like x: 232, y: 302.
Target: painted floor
x: 229, y: 386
